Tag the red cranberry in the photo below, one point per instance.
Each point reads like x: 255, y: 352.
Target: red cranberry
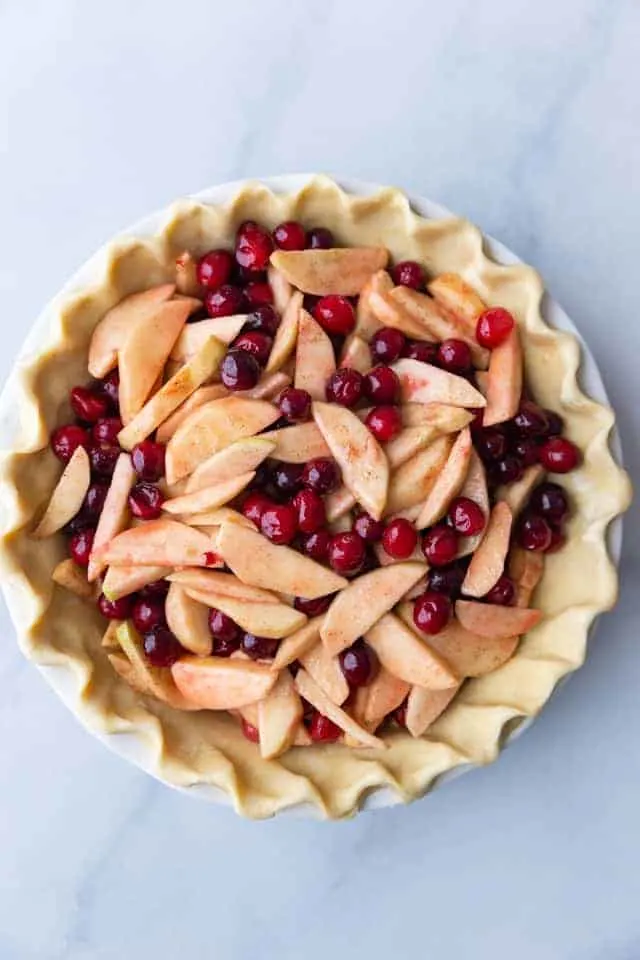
x: 81, y: 545
x: 408, y: 273
x: 346, y: 553
x: 555, y: 423
x: 256, y: 343
x: 249, y: 731
x: 431, y: 612
x: 147, y: 458
x: 223, y: 627
x: 447, y: 579
x: 160, y: 647
x: 358, y: 665
x: 295, y: 404
x: 344, y: 387
x: 313, y: 608
x: 466, y: 517
x: 422, y: 351
x: 508, y: 470
x: 550, y: 501
x: 400, y: 538
x: 527, y: 452
x: 254, y: 506
x: 259, y: 648
x: 381, y: 385
x: 309, y: 507
x: 321, y: 474
x: 323, y: 730
x: 530, y: 420
x: 558, y: 540
x: 384, y: 423
x: 224, y: 302
x: 559, y: 455
x: 287, y: 478
x: 145, y: 501
x: 87, y: 405
x: 109, y: 387
x: 440, y: 545
x: 278, y: 523
x: 214, y: 269
x: 103, y: 458
x: 534, y: 533
x: 66, y: 440
x: 156, y: 590
x: 240, y: 370
x: 147, y: 614
x: 263, y: 319
x: 387, y: 345
x: 107, y: 430
x: 115, y: 609
x: 253, y: 248
x: 258, y: 294
x: 454, y: 356
x: 335, y: 314
x: 320, y: 239
x: 94, y: 501
x: 290, y: 235
x: 503, y: 592
x: 493, y: 327
x: 367, y: 528
x: 317, y: 545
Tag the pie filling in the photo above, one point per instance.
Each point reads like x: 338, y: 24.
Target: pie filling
x: 309, y: 488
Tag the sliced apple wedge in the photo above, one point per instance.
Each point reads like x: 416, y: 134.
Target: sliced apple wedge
x: 378, y: 699
x: 407, y: 443
x: 209, y: 498
x: 114, y: 327
x: 342, y: 270
x: 279, y: 716
x: 221, y: 584
x: 284, y: 342
x: 272, y: 620
x: 516, y: 495
x: 442, y: 416
x: 67, y: 496
x: 315, y: 695
x: 412, y: 482
x: 297, y: 644
x: 326, y: 672
x: 73, y: 578
x: 487, y: 563
x: 198, y: 398
x: 115, y: 512
x: 366, y: 321
x: 195, y: 335
x: 474, y: 488
x: 437, y: 324
x: 356, y: 354
x: 230, y: 462
x: 449, y: 482
x: 425, y: 706
x: 491, y: 620
x: 356, y: 608
x: 188, y: 620
x: 365, y: 469
x: 525, y: 569
x: 504, y: 381
x: 407, y: 657
x: 281, y: 289
x: 215, y: 518
x: 121, y: 581
x: 270, y: 386
x: 152, y: 681
x: 315, y: 358
x: 215, y: 683
x: 165, y: 543
x: 424, y: 383
x: 110, y: 636
x: 339, y: 503
x: 298, y: 444
x: 452, y: 292
x: 210, y: 428
x: 187, y: 275
x: 260, y: 563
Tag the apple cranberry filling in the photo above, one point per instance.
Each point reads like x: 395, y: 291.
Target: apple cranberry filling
x: 308, y: 488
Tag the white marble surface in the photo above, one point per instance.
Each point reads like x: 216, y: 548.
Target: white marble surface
x: 522, y: 114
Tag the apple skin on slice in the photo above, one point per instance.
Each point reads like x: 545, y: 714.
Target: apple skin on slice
x: 114, y: 327
x: 326, y: 672
x: 297, y: 644
x: 315, y: 695
x: 230, y: 462
x: 151, y: 681
x: 284, y: 342
x: 436, y: 323
x: 315, y: 358
x: 343, y: 270
x: 412, y: 482
x: 356, y: 354
x: 385, y: 693
x: 424, y: 383
x: 195, y: 335
x: 260, y: 563
x: 209, y: 498
x: 220, y: 584
x: 516, y: 495
x: 115, y: 512
x: 449, y: 482
x: 425, y: 706
x: 367, y: 322
x: 121, y: 581
x: 272, y: 620
x: 402, y: 653
x: 162, y: 542
x: 279, y: 716
x: 504, y: 381
x: 281, y: 289
x: 216, y: 683
x: 475, y: 488
x: 493, y: 621
x: 458, y: 297
x: 188, y: 620
x: 298, y: 444
x: 525, y: 569
x: 361, y: 604
x: 487, y: 563
x: 73, y: 578
x: 364, y: 466
x: 198, y: 398
x: 67, y: 496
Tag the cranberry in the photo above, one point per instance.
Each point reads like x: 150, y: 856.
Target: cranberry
x: 346, y: 553
x: 323, y: 730
x: 493, y: 327
x: 279, y: 523
x: 408, y: 273
x: 320, y: 239
x: 384, y: 423
x: 87, y: 405
x: 290, y: 235
x: 147, y: 458
x: 369, y: 529
x: 81, y: 545
x: 94, y: 502
x: 555, y: 423
x: 502, y: 593
x: 240, y: 370
x: 249, y: 731
x: 321, y: 474
x: 550, y: 501
x: 295, y: 404
x: 431, y: 612
x: 224, y: 648
x: 147, y: 614
x: 558, y: 540
x: 527, y: 451
x: 344, y: 387
x: 454, y: 356
x: 214, y: 269
x: 400, y: 715
x: 158, y: 589
x: 317, y: 545
x: 477, y: 423
x: 161, y: 647
x: 224, y: 302
x: 256, y: 343
x: 358, y: 665
x: 66, y: 440
x: 534, y: 533
x: 440, y: 545
x: 107, y: 430
x: 263, y: 319
x: 259, y: 648
x: 400, y: 538
x: 381, y: 385
x: 254, y: 506
x: 335, y: 314
x: 530, y: 420
x: 258, y: 294
x: 559, y: 455
x: 103, y: 458
x: 309, y: 506
x: 286, y: 478
x: 223, y: 627
x: 387, y: 344
x: 253, y: 247
x: 446, y: 579
x: 115, y: 609
x: 145, y: 501
x: 508, y: 470
x: 466, y: 517
x: 109, y: 387
x: 422, y: 351
x: 313, y: 608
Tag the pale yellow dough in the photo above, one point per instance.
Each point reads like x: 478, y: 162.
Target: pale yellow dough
x: 55, y: 627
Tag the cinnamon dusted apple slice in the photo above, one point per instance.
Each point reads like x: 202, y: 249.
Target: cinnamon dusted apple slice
x: 407, y: 657
x: 516, y: 495
x: 491, y: 620
x: 221, y: 584
x: 188, y: 620
x: 298, y: 444
x: 437, y: 324
x: 209, y: 498
x: 449, y: 481
x: 474, y: 488
x: 378, y: 699
x: 197, y: 399
x: 342, y: 270
x: 367, y: 322
x: 412, y: 482
x: 442, y: 416
x: 195, y: 335
x: 165, y: 543
x: 73, y: 578
x: 144, y: 352
x: 112, y: 330
x: 110, y: 636
x: 315, y: 695
x: 504, y: 381
x: 525, y: 569
x: 121, y: 581
x: 216, y: 683
x: 67, y: 496
x: 356, y: 608
x: 115, y: 512
x: 297, y: 644
x: 325, y: 670
x: 315, y: 358
x: 356, y: 354
x: 284, y: 342
x: 151, y: 681
x: 365, y: 469
x: 453, y: 293
x: 270, y: 386
x: 272, y: 620
x: 425, y: 706
x: 487, y: 563
x: 230, y: 462
x: 407, y: 443
x: 281, y: 289
x: 339, y: 503
x: 279, y: 716
x: 215, y: 518
x: 424, y: 383
x: 260, y: 563
x: 210, y: 428
x: 187, y: 275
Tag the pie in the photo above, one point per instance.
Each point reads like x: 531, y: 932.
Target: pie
x: 322, y: 508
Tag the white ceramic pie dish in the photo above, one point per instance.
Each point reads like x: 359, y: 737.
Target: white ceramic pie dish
x: 61, y: 679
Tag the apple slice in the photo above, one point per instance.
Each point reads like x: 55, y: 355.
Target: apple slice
x: 326, y: 672
x: 110, y: 636
x: 284, y: 342
x: 151, y: 681
x: 448, y: 483
x: 187, y: 275
x: 407, y: 443
x: 525, y: 569
x: 474, y: 488
x: 215, y: 518
x: 342, y: 270
x: 221, y: 584
x: 272, y: 620
x: 209, y: 498
x: 487, y: 563
x: 73, y: 578
x: 356, y: 354
x: 365, y: 469
x: 425, y: 706
x: 115, y: 512
x: 366, y: 321
x: 230, y: 462
x: 163, y: 542
x: 111, y: 331
x: 297, y: 444
x: 216, y: 683
x: 145, y: 351
x: 210, y: 428
x: 315, y: 695
x: 516, y: 495
x: 195, y: 335
x: 379, y: 698
x: 442, y: 416
x: 281, y: 289
x: 260, y: 563
x: 389, y: 313
x: 297, y: 644
x: 279, y: 716
x: 198, y: 398
x: 67, y: 496
x: 339, y: 503
x: 424, y: 383
x: 436, y: 323
x: 270, y: 386
x: 504, y: 382
x: 315, y: 358
x: 412, y: 482
x: 188, y: 620
x: 121, y: 581
x: 356, y: 608
x: 491, y: 620
x: 453, y: 293
x: 407, y: 657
